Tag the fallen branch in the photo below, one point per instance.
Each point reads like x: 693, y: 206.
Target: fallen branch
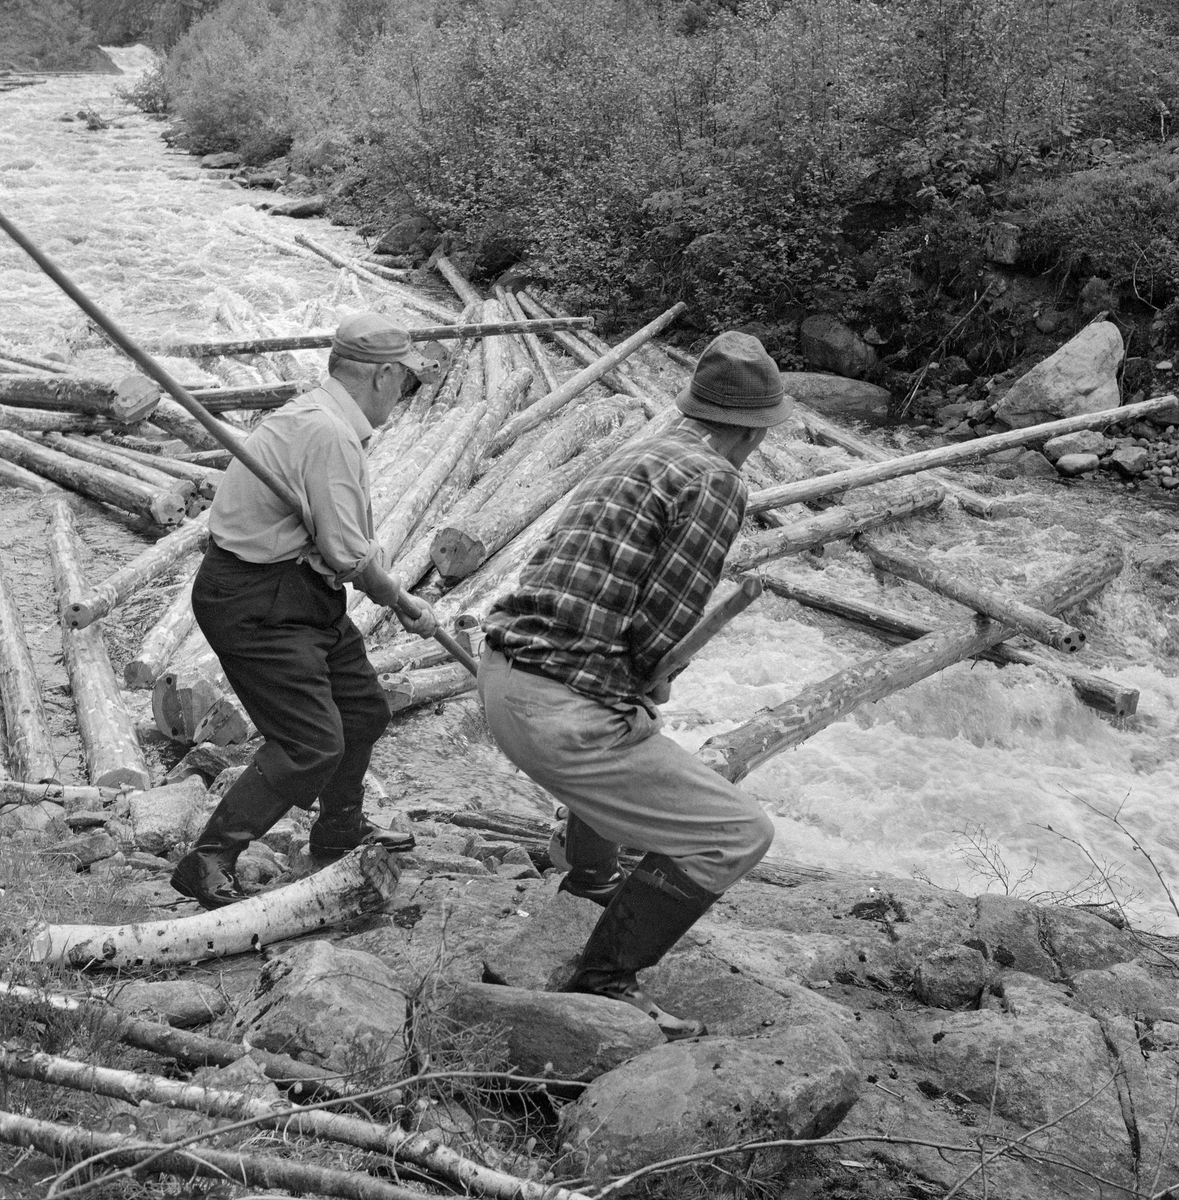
x: 736, y: 753
x: 361, y: 882
x: 943, y: 456
x: 26, y: 730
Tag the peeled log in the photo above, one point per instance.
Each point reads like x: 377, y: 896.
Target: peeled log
x: 203, y: 479
x: 32, y: 420
x: 580, y: 352
x: 29, y: 744
x: 99, y: 483
x: 736, y: 753
x: 113, y: 754
x: 945, y: 456
x: 459, y: 549
x: 411, y: 689
x: 983, y: 599
x: 177, y: 421
x: 839, y: 521
x: 457, y: 280
x: 131, y: 399
x: 106, y: 456
x: 1101, y: 694
x: 162, y: 639
x: 98, y: 600
x: 532, y: 343
x: 361, y: 882
x: 556, y: 400
x: 13, y: 476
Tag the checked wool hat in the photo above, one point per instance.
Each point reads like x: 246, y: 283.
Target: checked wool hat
x: 372, y: 338
x: 736, y: 383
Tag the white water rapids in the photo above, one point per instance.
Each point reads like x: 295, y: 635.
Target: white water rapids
x: 1006, y: 758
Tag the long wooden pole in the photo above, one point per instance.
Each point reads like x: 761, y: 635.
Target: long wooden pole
x: 218, y: 429
x: 709, y: 625
x: 948, y: 456
x: 736, y: 753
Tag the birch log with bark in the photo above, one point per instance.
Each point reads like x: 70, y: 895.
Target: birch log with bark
x: 99, y: 483
x: 113, y: 754
x: 34, y: 421
x: 98, y: 600
x: 556, y: 400
x: 360, y: 882
x: 163, y: 639
x: 203, y: 479
x: 943, y: 456
x: 107, y: 456
x: 736, y: 753
x: 29, y: 743
x: 828, y: 434
x: 839, y: 521
x: 984, y: 599
x: 1093, y: 690
x: 132, y: 399
x: 458, y: 549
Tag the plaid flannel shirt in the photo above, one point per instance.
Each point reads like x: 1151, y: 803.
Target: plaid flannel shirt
x: 629, y: 567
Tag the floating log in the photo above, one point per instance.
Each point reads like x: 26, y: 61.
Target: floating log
x: 36, y: 420
x: 131, y: 399
x: 203, y: 479
x: 98, y: 600
x: 944, y: 456
x: 210, y: 458
x: 770, y: 732
x: 460, y: 548
x: 411, y: 689
x: 828, y: 434
x: 709, y: 625
x: 532, y: 343
x: 557, y: 399
x: 184, y: 693
x: 102, y: 455
x: 457, y: 280
x: 15, y: 476
x: 29, y: 744
x: 113, y: 755
x: 361, y: 882
x: 99, y: 483
x: 253, y: 397
x: 988, y: 601
x: 14, y: 354
x: 77, y: 799
x: 1101, y: 694
x: 839, y: 521
x: 162, y: 639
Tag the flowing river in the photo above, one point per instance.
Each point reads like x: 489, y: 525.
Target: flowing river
x: 978, y: 778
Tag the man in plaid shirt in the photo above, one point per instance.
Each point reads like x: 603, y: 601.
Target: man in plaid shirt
x: 625, y: 574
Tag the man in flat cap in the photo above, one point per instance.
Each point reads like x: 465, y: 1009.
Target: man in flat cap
x: 269, y: 598
x: 625, y: 574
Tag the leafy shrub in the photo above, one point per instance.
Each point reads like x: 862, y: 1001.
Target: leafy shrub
x: 149, y: 92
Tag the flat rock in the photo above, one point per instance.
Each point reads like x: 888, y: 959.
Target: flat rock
x: 166, y: 816
x: 1076, y: 464
x: 221, y: 160
x: 1084, y: 441
x: 84, y: 849
x: 181, y: 1002
x: 305, y: 206
x: 836, y: 395
x: 581, y: 1036
x: 1080, y: 377
x: 326, y: 1005
x: 798, y: 1083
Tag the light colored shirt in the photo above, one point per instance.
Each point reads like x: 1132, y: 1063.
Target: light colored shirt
x: 316, y: 445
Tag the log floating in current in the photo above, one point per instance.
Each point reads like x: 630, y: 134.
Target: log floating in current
x: 983, y: 599
x: 944, y: 456
x: 29, y: 744
x: 131, y: 399
x: 113, y: 754
x: 411, y: 689
x: 102, y: 455
x: 15, y: 354
x: 203, y: 479
x: 162, y: 639
x: 736, y: 753
x: 98, y: 600
x: 99, y: 483
x: 839, y: 521
x: 1101, y: 694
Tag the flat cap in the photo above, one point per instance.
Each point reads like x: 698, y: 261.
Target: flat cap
x: 373, y: 338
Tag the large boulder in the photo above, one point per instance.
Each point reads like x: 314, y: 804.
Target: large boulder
x: 166, y: 816
x: 830, y: 345
x: 326, y: 1005
x: 799, y: 1083
x: 836, y: 395
x: 414, y: 233
x: 580, y: 1037
x: 1081, y: 377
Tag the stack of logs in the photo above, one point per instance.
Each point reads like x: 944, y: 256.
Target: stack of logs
x: 468, y: 477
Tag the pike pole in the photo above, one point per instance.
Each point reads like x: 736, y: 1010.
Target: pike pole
x: 235, y: 445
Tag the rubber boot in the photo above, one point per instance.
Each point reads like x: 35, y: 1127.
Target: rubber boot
x: 652, y: 910
x: 208, y: 872
x: 594, y: 873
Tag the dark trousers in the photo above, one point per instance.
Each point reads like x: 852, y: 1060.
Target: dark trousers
x: 297, y: 664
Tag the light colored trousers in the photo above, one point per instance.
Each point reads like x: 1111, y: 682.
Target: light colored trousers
x: 632, y: 785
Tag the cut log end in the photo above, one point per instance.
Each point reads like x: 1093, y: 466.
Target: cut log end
x: 1072, y: 641
x: 135, y: 398
x: 455, y: 554
x: 168, y: 508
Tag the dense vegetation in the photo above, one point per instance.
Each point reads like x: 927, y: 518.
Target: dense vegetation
x: 759, y: 158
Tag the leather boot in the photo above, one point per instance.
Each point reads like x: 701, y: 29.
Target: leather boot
x: 594, y: 873
x: 207, y: 873
x: 651, y: 911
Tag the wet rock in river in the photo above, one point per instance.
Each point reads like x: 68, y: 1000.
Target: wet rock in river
x: 221, y: 160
